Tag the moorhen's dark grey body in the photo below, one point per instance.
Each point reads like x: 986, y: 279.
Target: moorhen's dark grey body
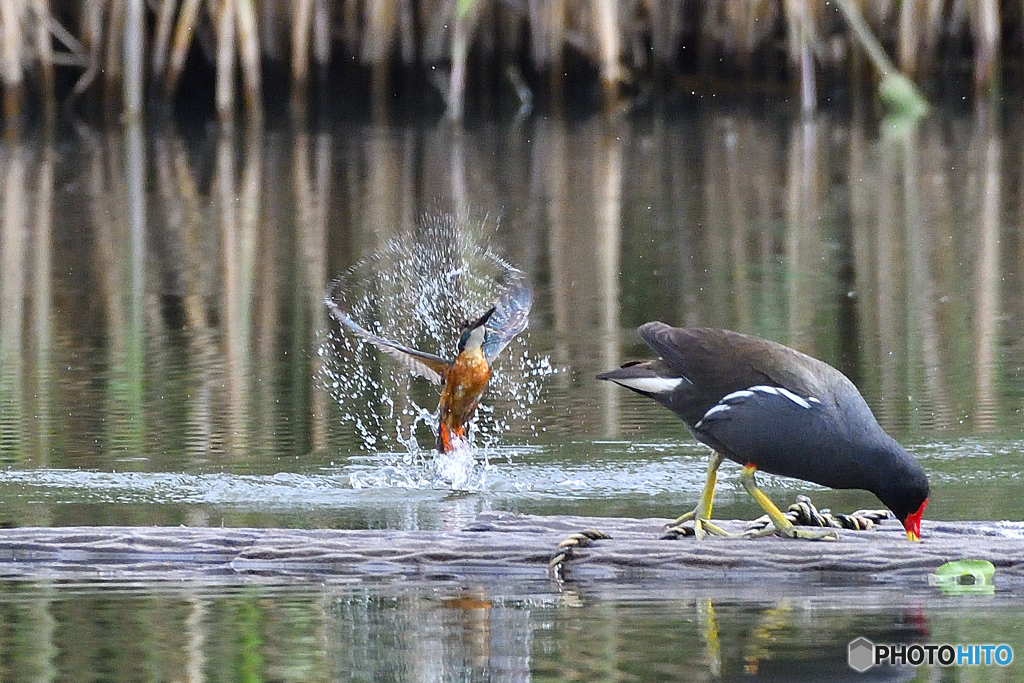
x: 769, y: 407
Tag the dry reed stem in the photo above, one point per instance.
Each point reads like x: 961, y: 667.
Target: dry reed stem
x: 183, y: 33
x: 92, y: 30
x: 406, y: 31
x: 350, y: 25
x: 270, y: 31
x: 920, y: 30
x: 44, y: 53
x: 302, y: 18
x: 465, y: 18
x: 609, y: 44
x: 134, y: 47
x: 162, y: 35
x: 249, y: 51
x: 322, y: 33
x: 113, y: 35
x: 866, y: 38
x: 76, y: 54
x: 986, y: 28
x: 225, y: 59
x: 802, y: 38
x: 380, y: 19
x: 750, y: 23
x: 666, y: 29
x: 11, y: 18
x: 555, y: 39
x: 907, y: 43
x: 436, y: 22
x: 113, y: 46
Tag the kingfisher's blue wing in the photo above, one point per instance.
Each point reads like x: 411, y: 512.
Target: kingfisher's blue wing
x: 511, y: 314
x: 427, y: 365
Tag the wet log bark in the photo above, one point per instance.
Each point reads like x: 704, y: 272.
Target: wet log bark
x: 506, y: 546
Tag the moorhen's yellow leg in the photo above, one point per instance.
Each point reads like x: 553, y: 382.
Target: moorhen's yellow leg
x: 701, y: 515
x: 782, y: 525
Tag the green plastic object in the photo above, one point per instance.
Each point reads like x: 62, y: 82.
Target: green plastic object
x: 964, y: 577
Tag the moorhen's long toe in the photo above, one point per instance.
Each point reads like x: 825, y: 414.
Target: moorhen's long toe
x: 771, y: 408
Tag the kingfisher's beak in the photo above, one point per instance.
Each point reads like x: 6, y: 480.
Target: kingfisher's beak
x: 482, y: 320
x: 473, y: 333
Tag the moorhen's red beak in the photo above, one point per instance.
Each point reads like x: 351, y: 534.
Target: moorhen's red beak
x: 913, y: 523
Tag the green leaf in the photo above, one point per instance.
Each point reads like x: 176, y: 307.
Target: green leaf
x: 964, y: 577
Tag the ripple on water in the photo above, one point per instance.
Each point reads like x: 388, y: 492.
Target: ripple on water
x: 587, y: 470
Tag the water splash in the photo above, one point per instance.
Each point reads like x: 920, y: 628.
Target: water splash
x: 417, y: 289
x: 462, y: 469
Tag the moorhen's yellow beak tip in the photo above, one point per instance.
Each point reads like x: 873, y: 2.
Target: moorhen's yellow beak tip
x: 911, y: 536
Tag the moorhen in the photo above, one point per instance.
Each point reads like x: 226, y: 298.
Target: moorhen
x: 769, y: 407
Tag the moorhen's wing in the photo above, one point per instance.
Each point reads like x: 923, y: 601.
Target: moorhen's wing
x: 427, y: 365
x: 511, y: 314
x: 719, y: 362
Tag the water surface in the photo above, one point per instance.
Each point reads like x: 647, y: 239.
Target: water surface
x: 163, y: 349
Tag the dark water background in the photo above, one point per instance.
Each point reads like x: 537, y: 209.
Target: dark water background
x: 163, y: 347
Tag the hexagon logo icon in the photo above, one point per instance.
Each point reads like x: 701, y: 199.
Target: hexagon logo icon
x: 861, y: 654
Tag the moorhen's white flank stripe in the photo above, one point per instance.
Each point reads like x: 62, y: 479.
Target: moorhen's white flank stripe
x: 720, y: 408
x: 738, y: 396
x: 794, y: 398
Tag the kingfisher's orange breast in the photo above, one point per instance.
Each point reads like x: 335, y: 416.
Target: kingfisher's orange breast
x: 464, y: 385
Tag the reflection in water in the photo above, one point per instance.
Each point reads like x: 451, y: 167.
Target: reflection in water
x: 160, y: 293
x: 13, y: 294
x: 523, y: 631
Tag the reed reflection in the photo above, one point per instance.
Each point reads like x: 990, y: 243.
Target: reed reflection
x: 873, y: 270
x: 987, y: 287
x: 14, y: 290
x: 180, y: 323
x: 924, y: 293
x: 312, y: 173
x: 584, y: 251
x: 27, y: 397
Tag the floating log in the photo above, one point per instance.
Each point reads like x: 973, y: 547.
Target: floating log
x: 507, y: 546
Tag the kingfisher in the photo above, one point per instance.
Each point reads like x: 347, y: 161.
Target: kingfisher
x: 463, y: 380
